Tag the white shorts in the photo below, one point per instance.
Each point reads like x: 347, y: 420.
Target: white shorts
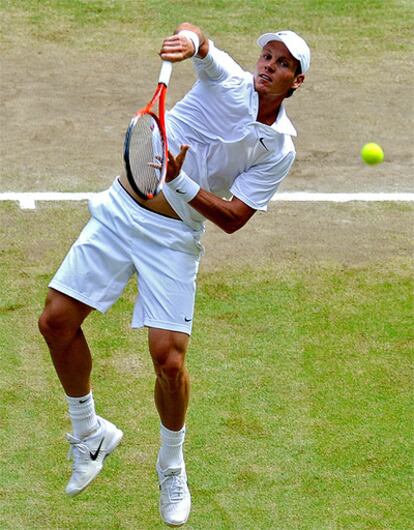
x: 123, y: 238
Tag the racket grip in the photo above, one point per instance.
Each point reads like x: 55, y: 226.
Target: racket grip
x: 165, y: 73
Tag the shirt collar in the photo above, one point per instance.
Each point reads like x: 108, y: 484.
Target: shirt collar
x: 283, y: 125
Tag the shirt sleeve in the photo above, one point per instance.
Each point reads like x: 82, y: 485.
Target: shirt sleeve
x: 217, y: 65
x: 257, y: 186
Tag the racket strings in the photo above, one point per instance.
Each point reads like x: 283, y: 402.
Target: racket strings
x: 146, y: 154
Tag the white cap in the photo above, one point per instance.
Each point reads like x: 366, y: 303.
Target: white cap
x: 295, y: 44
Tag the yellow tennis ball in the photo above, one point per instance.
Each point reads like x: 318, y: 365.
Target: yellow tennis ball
x: 372, y: 154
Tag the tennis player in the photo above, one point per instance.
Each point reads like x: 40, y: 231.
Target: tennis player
x: 231, y: 145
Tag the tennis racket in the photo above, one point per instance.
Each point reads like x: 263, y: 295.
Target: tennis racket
x: 145, y: 146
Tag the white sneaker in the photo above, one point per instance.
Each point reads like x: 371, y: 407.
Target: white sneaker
x: 175, y: 499
x: 89, y: 454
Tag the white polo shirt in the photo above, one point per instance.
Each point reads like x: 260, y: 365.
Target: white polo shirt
x: 231, y: 153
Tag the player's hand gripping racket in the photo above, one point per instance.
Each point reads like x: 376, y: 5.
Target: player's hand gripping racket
x: 145, y: 147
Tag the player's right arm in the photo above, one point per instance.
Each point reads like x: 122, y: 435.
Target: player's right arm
x: 210, y: 62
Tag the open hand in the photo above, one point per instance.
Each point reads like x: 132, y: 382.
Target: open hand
x: 175, y: 163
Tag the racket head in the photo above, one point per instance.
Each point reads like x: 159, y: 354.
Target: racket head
x: 146, y: 154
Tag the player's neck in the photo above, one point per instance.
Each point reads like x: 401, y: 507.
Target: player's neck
x: 268, y: 109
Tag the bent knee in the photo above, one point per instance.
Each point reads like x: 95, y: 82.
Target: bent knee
x: 61, y: 317
x: 54, y: 325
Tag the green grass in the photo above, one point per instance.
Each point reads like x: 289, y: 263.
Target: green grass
x: 301, y: 412
x: 346, y: 26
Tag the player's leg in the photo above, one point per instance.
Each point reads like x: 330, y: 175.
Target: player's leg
x: 171, y: 393
x: 167, y: 263
x: 93, y: 438
x: 92, y: 275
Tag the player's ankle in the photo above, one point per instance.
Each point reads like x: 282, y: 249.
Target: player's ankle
x: 171, y: 451
x: 83, y: 416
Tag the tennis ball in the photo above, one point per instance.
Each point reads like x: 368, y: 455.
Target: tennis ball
x: 372, y: 154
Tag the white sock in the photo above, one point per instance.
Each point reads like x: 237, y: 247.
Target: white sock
x: 82, y: 414
x: 171, y: 451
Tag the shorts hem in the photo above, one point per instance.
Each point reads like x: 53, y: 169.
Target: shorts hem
x: 170, y: 326
x: 77, y: 296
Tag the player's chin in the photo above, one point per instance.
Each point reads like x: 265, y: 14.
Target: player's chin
x: 262, y: 86
x: 264, y: 91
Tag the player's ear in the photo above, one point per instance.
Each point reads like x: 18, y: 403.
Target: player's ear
x: 299, y: 79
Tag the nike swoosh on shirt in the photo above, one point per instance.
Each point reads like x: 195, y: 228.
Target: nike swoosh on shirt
x: 94, y: 455
x: 262, y: 142
x: 181, y: 192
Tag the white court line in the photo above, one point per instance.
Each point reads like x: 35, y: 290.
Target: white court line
x: 28, y: 200
x: 309, y: 196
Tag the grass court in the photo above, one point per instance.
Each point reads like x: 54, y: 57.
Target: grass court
x: 301, y: 416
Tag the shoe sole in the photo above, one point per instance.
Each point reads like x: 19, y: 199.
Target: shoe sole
x: 175, y: 525
x: 116, y: 441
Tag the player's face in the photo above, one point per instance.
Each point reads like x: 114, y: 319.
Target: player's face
x: 275, y: 71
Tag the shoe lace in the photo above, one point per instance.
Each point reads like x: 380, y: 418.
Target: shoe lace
x: 76, y: 451
x: 175, y: 484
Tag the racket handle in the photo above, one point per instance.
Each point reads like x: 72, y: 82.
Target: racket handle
x: 165, y: 73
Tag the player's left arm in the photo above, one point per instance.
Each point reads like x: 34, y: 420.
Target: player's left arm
x: 230, y: 216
